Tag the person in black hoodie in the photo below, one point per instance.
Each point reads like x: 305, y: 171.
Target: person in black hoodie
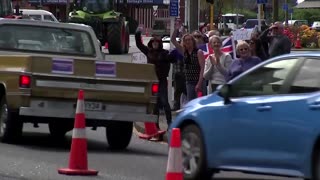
x: 160, y: 58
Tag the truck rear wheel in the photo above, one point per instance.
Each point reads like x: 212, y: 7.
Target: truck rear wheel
x: 119, y: 134
x: 116, y: 37
x: 10, y: 124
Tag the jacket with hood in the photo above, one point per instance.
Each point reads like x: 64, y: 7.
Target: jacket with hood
x: 159, y: 57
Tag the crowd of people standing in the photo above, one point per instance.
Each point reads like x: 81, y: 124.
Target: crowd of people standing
x: 193, y: 73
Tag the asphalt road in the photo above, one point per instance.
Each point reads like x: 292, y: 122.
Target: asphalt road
x: 38, y: 158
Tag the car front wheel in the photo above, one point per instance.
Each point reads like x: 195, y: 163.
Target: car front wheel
x: 193, y: 152
x: 316, y: 165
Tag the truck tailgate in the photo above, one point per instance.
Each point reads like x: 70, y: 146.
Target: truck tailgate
x: 101, y: 80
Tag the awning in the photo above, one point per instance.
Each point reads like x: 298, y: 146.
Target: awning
x: 309, y: 4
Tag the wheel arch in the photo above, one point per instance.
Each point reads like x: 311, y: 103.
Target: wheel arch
x: 3, y: 89
x: 313, y: 151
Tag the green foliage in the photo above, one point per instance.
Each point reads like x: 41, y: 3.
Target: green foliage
x: 306, y: 14
x: 248, y: 14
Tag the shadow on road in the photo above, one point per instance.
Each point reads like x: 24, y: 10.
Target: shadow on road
x: 44, y: 142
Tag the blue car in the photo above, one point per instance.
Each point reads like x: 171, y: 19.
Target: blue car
x: 265, y: 121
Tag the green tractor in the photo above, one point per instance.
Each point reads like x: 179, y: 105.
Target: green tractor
x: 109, y: 26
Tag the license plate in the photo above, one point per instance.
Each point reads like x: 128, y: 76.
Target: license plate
x: 93, y: 106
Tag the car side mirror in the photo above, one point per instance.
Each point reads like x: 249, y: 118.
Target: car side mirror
x: 224, y: 91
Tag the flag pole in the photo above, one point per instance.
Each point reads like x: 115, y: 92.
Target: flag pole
x: 233, y: 48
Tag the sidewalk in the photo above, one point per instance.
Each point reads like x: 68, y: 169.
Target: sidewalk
x: 306, y: 49
x: 139, y: 126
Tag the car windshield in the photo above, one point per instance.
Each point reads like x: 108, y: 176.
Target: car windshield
x: 96, y: 6
x: 46, y: 40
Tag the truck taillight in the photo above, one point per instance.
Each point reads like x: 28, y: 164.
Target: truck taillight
x: 25, y: 81
x: 154, y: 89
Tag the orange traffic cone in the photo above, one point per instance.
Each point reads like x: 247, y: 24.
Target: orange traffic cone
x: 298, y: 42
x: 151, y: 131
x: 175, y: 165
x: 106, y: 45
x: 78, y: 161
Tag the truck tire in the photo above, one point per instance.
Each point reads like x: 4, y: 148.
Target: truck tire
x: 10, y: 124
x: 58, y: 129
x: 119, y: 134
x: 127, y: 46
x: 116, y: 37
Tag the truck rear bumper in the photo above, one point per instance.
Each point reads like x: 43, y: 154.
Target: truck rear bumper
x: 115, y: 116
x: 114, y: 112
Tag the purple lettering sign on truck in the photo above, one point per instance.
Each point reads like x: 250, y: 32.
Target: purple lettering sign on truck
x: 62, y: 66
x: 106, y: 69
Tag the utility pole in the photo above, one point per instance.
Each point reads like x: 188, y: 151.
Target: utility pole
x: 194, y: 15
x: 286, y: 12
x: 275, y: 6
x: 211, y: 2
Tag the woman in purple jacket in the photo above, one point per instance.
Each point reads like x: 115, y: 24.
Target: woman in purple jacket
x: 245, y: 62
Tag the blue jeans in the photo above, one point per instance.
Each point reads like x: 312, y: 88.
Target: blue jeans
x: 191, y: 92
x: 162, y: 100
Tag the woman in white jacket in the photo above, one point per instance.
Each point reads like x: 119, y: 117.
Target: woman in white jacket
x: 217, y: 64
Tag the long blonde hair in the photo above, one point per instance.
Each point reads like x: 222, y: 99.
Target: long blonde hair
x: 192, y: 38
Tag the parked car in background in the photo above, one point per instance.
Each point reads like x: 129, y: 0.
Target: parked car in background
x: 252, y: 23
x: 316, y: 25
x: 264, y: 121
x: 297, y: 23
x: 38, y: 14
x: 161, y: 27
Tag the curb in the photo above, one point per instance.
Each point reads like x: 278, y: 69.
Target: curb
x: 306, y: 49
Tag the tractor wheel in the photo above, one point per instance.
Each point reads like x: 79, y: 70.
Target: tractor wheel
x: 116, y: 37
x: 126, y: 48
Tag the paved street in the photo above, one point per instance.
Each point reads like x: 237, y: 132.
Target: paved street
x: 38, y: 159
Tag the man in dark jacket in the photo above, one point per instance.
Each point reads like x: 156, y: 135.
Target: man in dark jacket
x: 160, y: 58
x: 279, y: 43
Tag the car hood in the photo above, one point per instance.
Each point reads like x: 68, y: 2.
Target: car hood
x: 212, y: 99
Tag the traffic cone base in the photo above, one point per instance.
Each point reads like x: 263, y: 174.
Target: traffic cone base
x: 151, y: 131
x: 67, y: 171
